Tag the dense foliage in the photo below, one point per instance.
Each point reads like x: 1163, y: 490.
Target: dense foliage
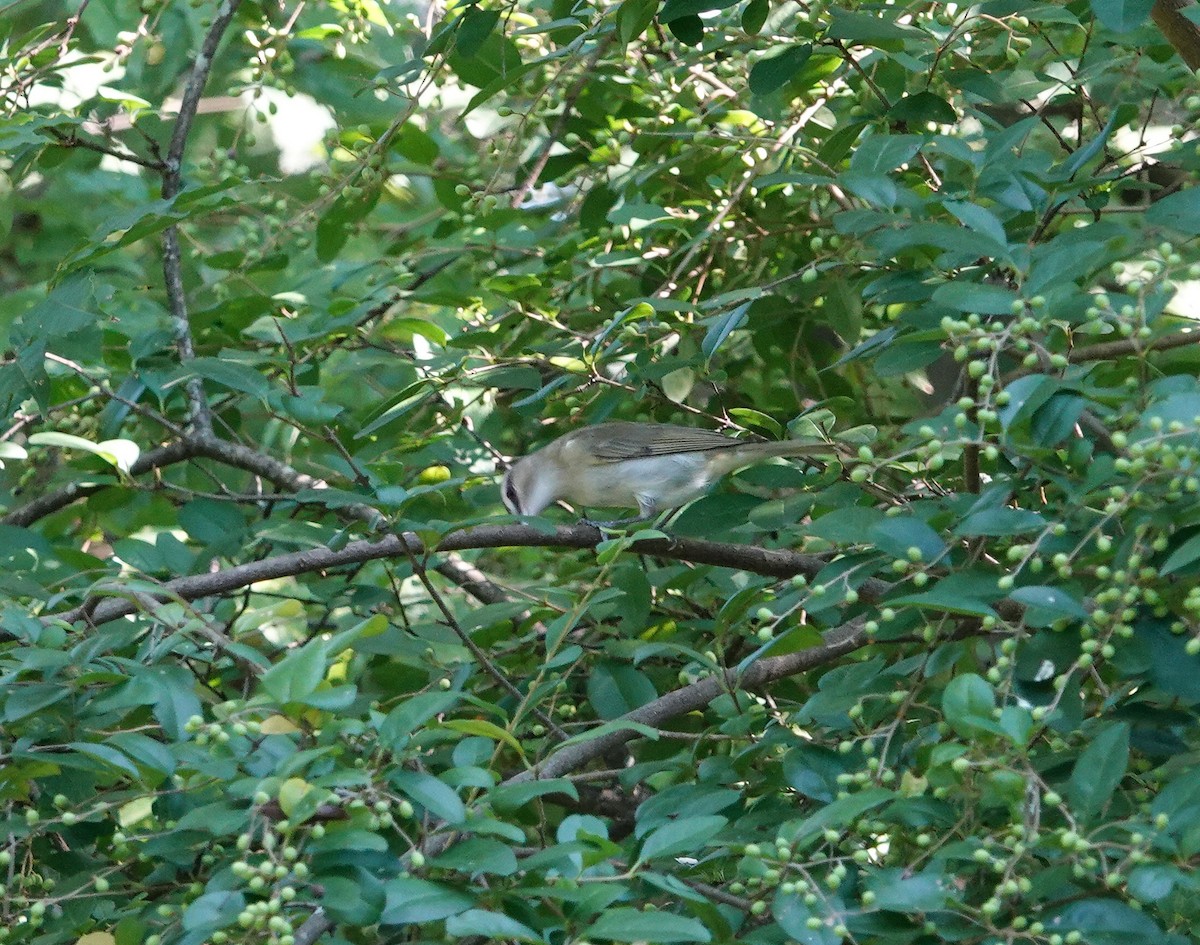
x: 283, y: 284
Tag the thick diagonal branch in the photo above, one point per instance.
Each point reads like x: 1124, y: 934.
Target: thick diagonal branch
x: 837, y: 642
x: 1181, y: 31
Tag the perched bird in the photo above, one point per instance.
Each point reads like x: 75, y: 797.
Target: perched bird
x: 650, y: 466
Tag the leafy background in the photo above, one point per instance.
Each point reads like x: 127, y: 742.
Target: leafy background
x: 283, y: 285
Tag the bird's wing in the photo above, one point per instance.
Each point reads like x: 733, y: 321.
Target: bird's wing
x: 635, y: 440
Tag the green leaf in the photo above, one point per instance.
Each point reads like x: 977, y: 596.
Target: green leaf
x: 897, y: 890
x: 849, y: 525
x: 975, y: 297
x: 633, y: 16
x: 1121, y: 16
x: 109, y: 756
x: 968, y: 703
x: 297, y: 675
x: 754, y: 16
x: 1017, y: 723
x: 883, y: 153
x: 813, y: 770
x: 616, y: 725
x: 291, y: 796
x: 217, y: 525
x: 625, y: 924
x: 474, y: 26
x: 794, y: 915
x: 120, y: 453
x: 508, y: 378
x: 982, y: 221
x: 1026, y: 395
x: 1106, y: 922
x: 213, y: 910
x: 720, y: 328
x: 687, y: 835
x: 923, y: 106
x: 6, y: 206
x: 677, y: 9
x: 412, y: 901
x: 1099, y: 770
x: 1173, y: 670
x: 306, y: 406
x: 1044, y: 605
x: 135, y: 811
x: 435, y: 796
x: 352, y: 895
x: 867, y: 29
x: 173, y: 697
x: 489, y: 925
x: 894, y: 536
x: 1178, y: 211
x: 1153, y: 882
x: 768, y: 75
x: 997, y: 519
x: 28, y: 699
x: 843, y: 811
x: 231, y: 374
x: 688, y: 30
x: 1184, y: 555
x: 1056, y: 420
x: 510, y: 797
x: 615, y: 689
x: 476, y: 856
x: 484, y: 729
x: 1075, y: 163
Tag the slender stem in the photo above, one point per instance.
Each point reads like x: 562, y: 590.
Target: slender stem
x: 198, y: 413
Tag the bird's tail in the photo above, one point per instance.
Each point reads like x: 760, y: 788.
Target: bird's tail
x: 747, y: 453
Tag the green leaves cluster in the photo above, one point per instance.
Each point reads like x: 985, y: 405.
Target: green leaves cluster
x: 949, y: 695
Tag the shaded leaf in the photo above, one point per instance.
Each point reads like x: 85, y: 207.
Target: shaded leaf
x: 414, y: 901
x: 688, y: 835
x: 1121, y: 16
x: 1099, y: 770
x: 632, y: 925
x: 490, y: 925
x: 773, y: 73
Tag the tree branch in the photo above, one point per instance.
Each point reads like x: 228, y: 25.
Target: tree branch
x: 313, y: 928
x: 838, y: 642
x: 45, y: 505
x: 771, y: 562
x: 1107, y: 350
x: 198, y: 412
x: 73, y: 140
x: 1180, y: 31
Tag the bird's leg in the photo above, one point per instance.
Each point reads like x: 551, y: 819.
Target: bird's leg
x: 647, y: 510
x: 615, y: 523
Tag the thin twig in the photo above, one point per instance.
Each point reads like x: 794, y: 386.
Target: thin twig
x: 481, y: 657
x: 140, y: 409
x: 198, y: 411
x: 539, y: 163
x: 72, y: 140
x: 1108, y: 350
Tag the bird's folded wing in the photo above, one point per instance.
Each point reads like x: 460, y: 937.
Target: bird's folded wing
x: 639, y: 440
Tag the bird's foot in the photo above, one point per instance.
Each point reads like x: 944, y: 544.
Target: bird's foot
x: 615, y: 523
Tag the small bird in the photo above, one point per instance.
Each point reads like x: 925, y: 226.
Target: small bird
x: 653, y: 466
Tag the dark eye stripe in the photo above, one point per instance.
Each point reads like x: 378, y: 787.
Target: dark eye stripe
x: 510, y: 494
